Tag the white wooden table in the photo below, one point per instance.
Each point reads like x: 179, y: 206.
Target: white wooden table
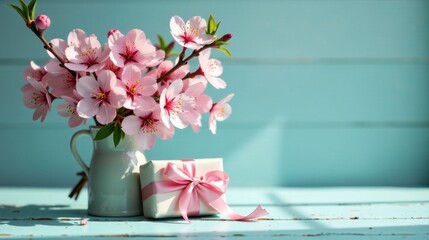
x: 295, y: 213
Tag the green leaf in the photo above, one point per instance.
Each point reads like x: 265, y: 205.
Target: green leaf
x: 162, y: 43
x: 212, y: 26
x: 104, y: 131
x: 32, y: 8
x: 18, y: 10
x: 24, y: 8
x: 117, y: 134
x: 224, y: 50
x: 217, y: 25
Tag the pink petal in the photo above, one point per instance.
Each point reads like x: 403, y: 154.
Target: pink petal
x: 164, y: 113
x: 147, y: 103
x: 197, y: 24
x: 192, y: 45
x: 203, y: 103
x: 195, y: 89
x: 164, y: 132
x: 41, y: 112
x: 187, y: 102
x: 157, y: 58
x: 87, y: 86
x: 92, y: 42
x: 177, y: 26
x: 217, y: 82
x: 174, y: 89
x: 75, y: 37
x: 131, y: 125
x: 216, y: 68
x: 117, y: 97
x: 77, y: 66
x: 148, y: 86
x: 95, y: 67
x: 130, y: 75
x: 205, y: 39
x: 53, y: 66
x: 137, y: 37
x: 73, y: 55
x: 222, y: 112
x: 226, y: 99
x: 178, y: 120
x: 116, y: 39
x: 106, y: 114
x: 107, y: 80
x: 212, y: 123
x: 145, y: 140
x: 75, y: 121
x: 59, y: 45
x: 87, y: 107
x: 66, y: 108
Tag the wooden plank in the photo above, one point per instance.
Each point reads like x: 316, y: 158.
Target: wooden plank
x: 309, y: 30
x: 384, y: 214
x: 291, y: 157
x: 291, y: 96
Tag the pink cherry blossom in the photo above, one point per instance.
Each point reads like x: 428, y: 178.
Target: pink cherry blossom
x: 101, y: 96
x: 175, y: 105
x: 68, y: 109
x: 74, y: 39
x: 145, y: 125
x: 192, y: 34
x: 195, y: 87
x: 133, y: 48
x: 220, y: 112
x: 163, y: 68
x: 59, y: 46
x: 62, y: 84
x: 88, y: 56
x: 211, y: 69
x: 139, y: 89
x: 36, y: 96
x: 36, y: 73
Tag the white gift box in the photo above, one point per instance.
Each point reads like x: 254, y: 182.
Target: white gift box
x: 165, y: 205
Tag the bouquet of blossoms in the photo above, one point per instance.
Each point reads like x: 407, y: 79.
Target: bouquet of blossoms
x: 128, y: 86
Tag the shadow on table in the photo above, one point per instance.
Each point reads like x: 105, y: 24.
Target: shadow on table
x: 31, y: 215
x: 60, y: 215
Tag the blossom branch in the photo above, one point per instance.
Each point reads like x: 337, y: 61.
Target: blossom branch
x: 48, y: 47
x: 184, y: 61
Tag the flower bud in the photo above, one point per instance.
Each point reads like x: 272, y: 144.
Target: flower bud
x: 43, y: 22
x: 226, y: 37
x: 112, y: 31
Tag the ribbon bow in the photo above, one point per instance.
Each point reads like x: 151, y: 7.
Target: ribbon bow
x: 209, y: 188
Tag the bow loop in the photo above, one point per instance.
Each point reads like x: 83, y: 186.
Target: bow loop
x: 177, y: 175
x: 216, y: 181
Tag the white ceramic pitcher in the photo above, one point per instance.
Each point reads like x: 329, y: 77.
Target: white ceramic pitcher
x: 113, y: 175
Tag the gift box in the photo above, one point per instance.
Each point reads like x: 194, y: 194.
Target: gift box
x: 173, y: 188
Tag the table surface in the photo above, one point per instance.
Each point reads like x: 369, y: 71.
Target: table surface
x: 295, y: 213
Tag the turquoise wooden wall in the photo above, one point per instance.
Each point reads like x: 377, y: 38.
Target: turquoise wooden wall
x: 328, y: 92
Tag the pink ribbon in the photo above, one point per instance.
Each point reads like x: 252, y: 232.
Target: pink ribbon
x: 209, y: 188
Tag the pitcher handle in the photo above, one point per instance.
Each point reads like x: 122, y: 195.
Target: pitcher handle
x: 74, y: 151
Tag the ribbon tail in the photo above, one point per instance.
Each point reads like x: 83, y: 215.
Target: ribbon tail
x: 222, y: 207
x: 184, y: 200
